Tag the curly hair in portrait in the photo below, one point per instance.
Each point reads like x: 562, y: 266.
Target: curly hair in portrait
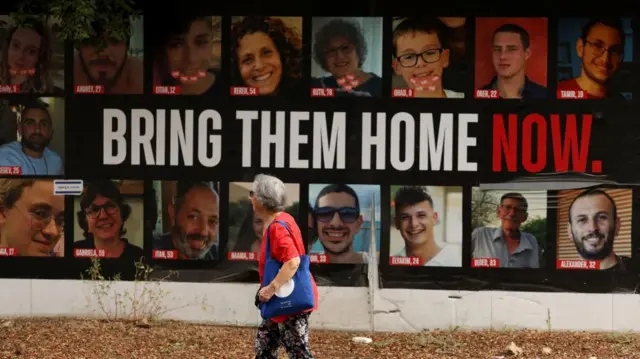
x: 41, y: 81
x: 287, y: 41
x: 348, y: 30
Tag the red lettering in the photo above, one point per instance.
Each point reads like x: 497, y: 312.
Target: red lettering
x: 504, y: 143
x: 562, y: 151
x: 570, y: 148
x: 527, y: 142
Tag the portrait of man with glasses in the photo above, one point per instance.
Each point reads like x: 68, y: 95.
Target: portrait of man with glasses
x: 511, y: 246
x: 600, y: 50
x: 102, y: 217
x: 421, y: 55
x: 31, y: 218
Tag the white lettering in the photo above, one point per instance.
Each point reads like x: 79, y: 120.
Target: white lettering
x: 246, y: 117
x: 396, y: 142
x: 205, y: 139
x: 181, y: 137
x: 141, y: 140
x: 267, y: 139
x: 296, y: 139
x: 114, y: 135
x: 464, y: 142
x: 368, y: 140
x: 432, y: 149
x: 329, y: 148
x: 161, y: 121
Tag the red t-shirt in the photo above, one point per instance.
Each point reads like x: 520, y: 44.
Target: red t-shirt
x: 572, y: 85
x: 284, y: 247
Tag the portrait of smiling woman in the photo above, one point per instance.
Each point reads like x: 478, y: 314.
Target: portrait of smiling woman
x: 187, y: 54
x: 31, y: 57
x: 104, y: 217
x: 266, y: 54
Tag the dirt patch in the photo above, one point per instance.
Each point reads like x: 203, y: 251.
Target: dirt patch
x: 89, y: 339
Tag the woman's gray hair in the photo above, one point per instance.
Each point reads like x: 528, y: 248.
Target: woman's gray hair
x: 270, y: 192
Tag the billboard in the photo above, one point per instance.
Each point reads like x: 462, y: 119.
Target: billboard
x: 407, y: 166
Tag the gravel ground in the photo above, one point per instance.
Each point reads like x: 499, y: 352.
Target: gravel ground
x: 85, y: 339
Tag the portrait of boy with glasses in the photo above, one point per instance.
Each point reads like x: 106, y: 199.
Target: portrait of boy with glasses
x: 421, y: 55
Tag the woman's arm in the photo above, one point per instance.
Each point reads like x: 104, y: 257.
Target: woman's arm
x: 286, y: 272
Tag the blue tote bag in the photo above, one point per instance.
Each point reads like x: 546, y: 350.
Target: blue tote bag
x: 293, y: 297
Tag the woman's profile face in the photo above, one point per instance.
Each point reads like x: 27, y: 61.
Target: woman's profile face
x: 189, y: 54
x: 258, y: 226
x: 24, y: 49
x: 259, y: 62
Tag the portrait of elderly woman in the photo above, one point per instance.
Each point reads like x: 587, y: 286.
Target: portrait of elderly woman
x: 268, y: 198
x: 31, y: 57
x: 351, y: 55
x: 187, y: 54
x: 102, y: 218
x: 266, y: 54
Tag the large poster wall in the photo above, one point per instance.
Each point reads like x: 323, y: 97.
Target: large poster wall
x: 465, y: 152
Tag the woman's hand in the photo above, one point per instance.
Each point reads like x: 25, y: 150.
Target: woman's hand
x: 266, y: 293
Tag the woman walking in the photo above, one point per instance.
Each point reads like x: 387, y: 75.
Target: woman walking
x: 268, y: 199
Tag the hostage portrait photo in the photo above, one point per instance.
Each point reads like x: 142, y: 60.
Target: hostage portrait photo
x: 187, y: 54
x: 344, y: 222
x: 115, y: 69
x: 32, y: 137
x: 266, y: 56
x: 31, y: 57
x: 511, y: 57
x: 245, y: 229
x: 426, y: 224
x: 188, y: 222
x: 595, y: 58
x: 109, y: 220
x: 32, y: 218
x: 509, y: 227
x: 429, y: 56
x: 594, y: 224
x: 347, y: 55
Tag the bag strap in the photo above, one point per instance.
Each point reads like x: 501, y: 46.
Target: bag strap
x: 268, y: 249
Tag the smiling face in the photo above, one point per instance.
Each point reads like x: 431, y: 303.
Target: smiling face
x: 35, y: 223
x: 190, y: 54
x: 24, y: 49
x: 336, y: 230
x: 259, y: 62
x: 512, y: 214
x: 104, y: 219
x: 196, y: 223
x: 340, y: 57
x: 601, y: 53
x: 416, y: 222
x: 592, y: 226
x: 420, y: 58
